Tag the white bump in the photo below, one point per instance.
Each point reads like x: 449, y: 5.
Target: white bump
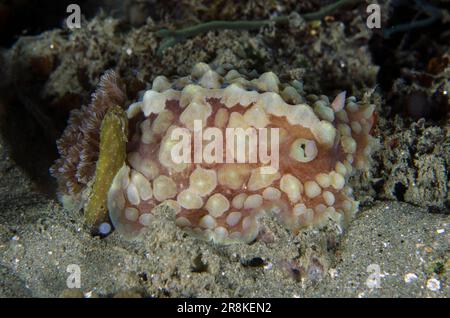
x: 347, y: 206
x: 220, y: 234
x: 292, y: 187
x: 235, y: 235
x: 324, y: 132
x: 339, y: 101
x: 253, y: 201
x: 133, y: 194
x: 203, y: 181
x: 323, y: 180
x: 299, y: 209
x: 368, y: 111
x: 320, y: 208
x: 160, y: 84
x: 344, y: 129
x: 259, y: 180
x: 271, y: 194
x: 164, y: 188
x: 352, y: 106
x: 195, y: 111
x: 328, y: 197
x: 291, y: 95
x: 356, y: 127
x: 162, y: 122
x: 131, y: 214
x: 183, y: 222
x: 232, y: 75
x: 233, y: 176
x: 134, y: 109
x: 337, y: 180
x: 247, y: 222
x: 275, y: 105
x: 147, y: 136
x: 312, y: 189
x: 323, y: 111
x: 233, y: 218
x: 234, y: 94
x: 199, y: 69
x: 153, y: 102
x: 256, y: 117
x: 146, y: 219
x: 145, y: 166
x: 267, y: 82
x: 348, y: 144
x: 142, y: 184
x: 189, y: 200
x: 217, y: 204
x: 221, y: 118
x: 210, y: 79
x: 342, y: 115
x: 340, y: 168
x: 207, y: 222
x: 238, y: 200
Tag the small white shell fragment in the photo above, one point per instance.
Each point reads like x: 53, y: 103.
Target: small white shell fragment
x: 410, y: 277
x: 433, y: 284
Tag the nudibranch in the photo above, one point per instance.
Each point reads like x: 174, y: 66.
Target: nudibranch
x: 310, y: 148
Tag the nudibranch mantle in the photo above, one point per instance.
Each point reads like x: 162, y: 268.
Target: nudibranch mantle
x: 320, y: 146
x: 315, y: 146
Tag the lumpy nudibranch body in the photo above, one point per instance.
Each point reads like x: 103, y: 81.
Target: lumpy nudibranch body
x: 223, y: 150
x: 309, y: 152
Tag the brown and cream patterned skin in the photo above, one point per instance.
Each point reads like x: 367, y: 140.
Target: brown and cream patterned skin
x: 320, y: 146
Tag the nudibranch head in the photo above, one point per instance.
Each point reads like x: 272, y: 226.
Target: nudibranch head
x: 224, y: 150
